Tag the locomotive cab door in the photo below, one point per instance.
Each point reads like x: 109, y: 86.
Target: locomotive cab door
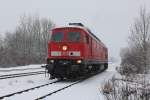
x: 90, y: 47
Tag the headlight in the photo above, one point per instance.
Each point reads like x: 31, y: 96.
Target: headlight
x: 79, y: 61
x: 52, y: 61
x: 64, y: 47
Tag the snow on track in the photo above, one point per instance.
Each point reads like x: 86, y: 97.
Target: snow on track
x: 30, y: 68
x: 21, y: 74
x: 29, y: 89
x: 23, y: 67
x: 88, y: 89
x: 17, y: 84
x: 34, y: 94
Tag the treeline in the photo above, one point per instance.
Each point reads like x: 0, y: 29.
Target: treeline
x: 136, y: 57
x: 27, y: 44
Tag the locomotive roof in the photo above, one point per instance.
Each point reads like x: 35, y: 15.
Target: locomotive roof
x: 85, y: 29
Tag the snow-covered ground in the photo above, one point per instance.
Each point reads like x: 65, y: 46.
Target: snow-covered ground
x: 16, y: 70
x: 86, y: 90
x: 89, y: 89
x: 22, y: 67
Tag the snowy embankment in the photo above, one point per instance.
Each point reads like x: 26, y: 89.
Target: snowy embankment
x: 86, y: 90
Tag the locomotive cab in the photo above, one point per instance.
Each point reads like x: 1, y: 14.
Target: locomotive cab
x: 65, y: 52
x: 75, y: 51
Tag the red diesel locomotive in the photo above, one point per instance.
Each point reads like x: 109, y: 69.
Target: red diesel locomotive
x: 74, y: 51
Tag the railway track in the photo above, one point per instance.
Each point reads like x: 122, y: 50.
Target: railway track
x: 50, y: 89
x: 70, y: 85
x: 58, y: 90
x: 74, y: 83
x: 9, y: 70
x: 34, y: 89
x: 21, y: 74
x: 26, y: 90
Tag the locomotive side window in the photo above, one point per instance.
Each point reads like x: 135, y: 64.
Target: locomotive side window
x: 74, y: 36
x: 57, y: 37
x: 86, y: 39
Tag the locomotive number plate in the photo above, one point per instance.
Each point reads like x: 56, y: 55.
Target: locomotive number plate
x: 55, y: 53
x: 65, y: 53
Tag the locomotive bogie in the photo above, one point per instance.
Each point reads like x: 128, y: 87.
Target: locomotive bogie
x: 63, y: 67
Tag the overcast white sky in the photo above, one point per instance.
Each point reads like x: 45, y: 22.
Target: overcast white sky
x: 109, y: 19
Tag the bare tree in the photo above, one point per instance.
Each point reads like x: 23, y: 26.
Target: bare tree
x: 1, y: 47
x: 140, y: 37
x: 28, y: 43
x: 1, y: 41
x: 138, y: 52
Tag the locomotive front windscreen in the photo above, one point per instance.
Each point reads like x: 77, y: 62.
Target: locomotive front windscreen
x: 71, y: 36
x: 74, y: 36
x: 57, y: 37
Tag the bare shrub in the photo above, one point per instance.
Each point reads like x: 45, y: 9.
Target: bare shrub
x: 127, y: 69
x: 107, y: 88
x: 124, y: 90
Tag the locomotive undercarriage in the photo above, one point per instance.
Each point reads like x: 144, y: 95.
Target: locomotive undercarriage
x: 64, y: 69
x: 70, y: 70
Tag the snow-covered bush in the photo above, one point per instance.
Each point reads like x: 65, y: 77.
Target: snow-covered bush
x: 107, y: 88
x: 122, y: 89
x: 127, y: 69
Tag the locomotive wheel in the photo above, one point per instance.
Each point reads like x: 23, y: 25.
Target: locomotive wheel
x: 95, y: 67
x: 89, y: 68
x: 61, y: 78
x: 82, y: 71
x: 52, y: 77
x: 105, y: 66
x: 72, y: 76
x: 102, y: 67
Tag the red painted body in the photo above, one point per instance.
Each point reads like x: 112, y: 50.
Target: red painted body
x: 92, y: 52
